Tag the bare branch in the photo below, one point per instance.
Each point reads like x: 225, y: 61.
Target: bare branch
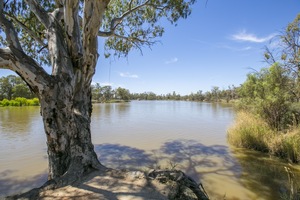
x: 135, y: 40
x: 117, y: 21
x: 34, y: 75
x: 27, y: 29
x: 39, y: 12
x: 71, y: 20
x: 130, y: 4
x: 92, y: 19
x: 11, y: 34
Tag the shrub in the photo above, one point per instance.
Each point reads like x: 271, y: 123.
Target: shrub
x: 22, y: 101
x: 4, y: 102
x: 33, y: 102
x: 14, y: 103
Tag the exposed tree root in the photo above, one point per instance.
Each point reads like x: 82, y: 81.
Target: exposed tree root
x: 182, y: 183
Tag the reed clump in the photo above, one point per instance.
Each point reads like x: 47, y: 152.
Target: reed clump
x: 252, y: 132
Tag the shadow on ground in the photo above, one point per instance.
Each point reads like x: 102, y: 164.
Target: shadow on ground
x: 120, y: 157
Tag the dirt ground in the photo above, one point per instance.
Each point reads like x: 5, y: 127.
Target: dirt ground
x: 112, y: 185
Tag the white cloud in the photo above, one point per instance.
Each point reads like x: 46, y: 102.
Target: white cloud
x: 248, y: 37
x: 173, y: 60
x: 128, y: 75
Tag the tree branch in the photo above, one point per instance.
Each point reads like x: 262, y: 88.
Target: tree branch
x: 27, y: 29
x: 71, y: 20
x: 39, y: 12
x: 116, y: 21
x: 92, y: 19
x: 11, y: 34
x: 34, y: 75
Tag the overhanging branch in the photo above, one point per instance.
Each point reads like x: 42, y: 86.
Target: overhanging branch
x: 27, y: 29
x: 11, y: 34
x: 34, y: 75
x: 39, y: 12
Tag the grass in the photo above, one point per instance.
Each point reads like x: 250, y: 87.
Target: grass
x: 250, y: 131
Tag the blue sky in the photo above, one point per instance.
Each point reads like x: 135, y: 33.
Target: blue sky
x: 216, y: 46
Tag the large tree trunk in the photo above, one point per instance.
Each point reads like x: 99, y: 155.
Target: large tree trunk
x: 66, y: 112
x: 65, y: 95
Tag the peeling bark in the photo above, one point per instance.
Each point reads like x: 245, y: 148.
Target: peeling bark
x: 67, y: 126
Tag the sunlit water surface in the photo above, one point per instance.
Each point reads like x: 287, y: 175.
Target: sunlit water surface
x: 142, y: 135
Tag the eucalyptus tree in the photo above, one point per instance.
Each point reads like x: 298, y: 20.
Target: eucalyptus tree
x: 287, y: 53
x: 63, y: 34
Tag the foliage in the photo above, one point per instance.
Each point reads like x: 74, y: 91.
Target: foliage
x: 12, y: 87
x: 135, y: 22
x: 126, y: 25
x: 20, y: 101
x: 287, y: 52
x: 267, y: 93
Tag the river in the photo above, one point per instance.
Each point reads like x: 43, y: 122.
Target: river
x: 190, y: 136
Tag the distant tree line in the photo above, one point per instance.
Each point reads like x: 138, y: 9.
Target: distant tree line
x: 106, y: 94
x: 12, y: 87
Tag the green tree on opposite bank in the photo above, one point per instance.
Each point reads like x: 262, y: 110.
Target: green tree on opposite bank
x: 15, y: 92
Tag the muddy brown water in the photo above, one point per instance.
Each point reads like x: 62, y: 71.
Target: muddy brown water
x: 190, y: 136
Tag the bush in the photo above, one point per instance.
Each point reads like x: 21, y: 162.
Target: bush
x: 22, y: 101
x: 33, y: 102
x: 14, y: 103
x: 4, y: 102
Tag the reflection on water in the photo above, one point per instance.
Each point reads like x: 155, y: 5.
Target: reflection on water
x: 16, y: 122
x: 265, y: 174
x: 23, y: 157
x: 144, y: 135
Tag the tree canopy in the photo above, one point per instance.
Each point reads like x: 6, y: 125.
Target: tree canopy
x: 126, y: 24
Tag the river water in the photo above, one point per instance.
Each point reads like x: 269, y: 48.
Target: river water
x: 142, y: 135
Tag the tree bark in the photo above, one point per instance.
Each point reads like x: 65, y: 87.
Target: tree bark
x: 67, y: 116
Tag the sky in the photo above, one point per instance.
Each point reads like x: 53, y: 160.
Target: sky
x: 217, y: 45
